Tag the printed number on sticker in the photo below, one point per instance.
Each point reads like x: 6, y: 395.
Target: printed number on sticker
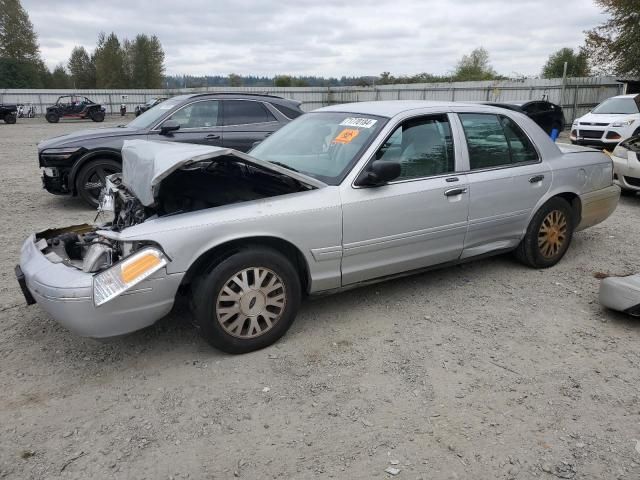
x: 358, y: 122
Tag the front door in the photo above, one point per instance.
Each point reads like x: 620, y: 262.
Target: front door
x: 418, y: 220
x: 506, y: 180
x: 199, y: 123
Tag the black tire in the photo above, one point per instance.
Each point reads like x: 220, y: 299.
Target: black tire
x: 52, y: 117
x: 97, y: 115
x: 94, y: 173
x: 10, y: 118
x: 544, y: 246
x: 628, y: 193
x: 210, y: 285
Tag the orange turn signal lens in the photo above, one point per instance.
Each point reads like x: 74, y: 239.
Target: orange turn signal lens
x: 139, y: 266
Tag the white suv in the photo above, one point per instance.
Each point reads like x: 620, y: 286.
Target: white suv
x: 615, y: 119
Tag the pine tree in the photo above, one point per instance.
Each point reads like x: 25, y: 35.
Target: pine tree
x: 110, y: 63
x: 20, y: 62
x: 59, y: 78
x: 82, y: 70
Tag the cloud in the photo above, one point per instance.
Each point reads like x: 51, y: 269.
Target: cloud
x: 328, y: 38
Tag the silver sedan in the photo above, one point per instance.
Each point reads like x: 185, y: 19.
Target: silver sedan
x: 340, y: 197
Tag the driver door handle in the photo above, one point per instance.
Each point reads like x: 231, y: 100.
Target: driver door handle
x: 452, y: 192
x: 212, y: 136
x: 536, y: 179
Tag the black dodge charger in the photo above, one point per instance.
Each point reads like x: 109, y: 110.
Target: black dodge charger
x: 77, y: 163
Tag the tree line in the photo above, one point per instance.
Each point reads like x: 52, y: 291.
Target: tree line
x: 137, y: 63
x: 609, y: 48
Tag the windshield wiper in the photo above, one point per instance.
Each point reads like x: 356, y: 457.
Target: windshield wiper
x: 280, y: 164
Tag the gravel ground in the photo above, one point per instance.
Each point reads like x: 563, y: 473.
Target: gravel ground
x: 488, y: 370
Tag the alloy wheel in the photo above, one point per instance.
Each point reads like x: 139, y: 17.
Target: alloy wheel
x: 552, y: 233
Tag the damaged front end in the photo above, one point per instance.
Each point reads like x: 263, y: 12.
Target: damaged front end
x: 98, y: 281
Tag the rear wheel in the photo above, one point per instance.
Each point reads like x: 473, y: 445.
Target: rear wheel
x: 52, y: 117
x: 97, y: 115
x: 91, y: 179
x: 247, y: 301
x: 548, y: 236
x: 10, y: 118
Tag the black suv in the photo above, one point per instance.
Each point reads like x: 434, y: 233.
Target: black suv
x: 77, y: 163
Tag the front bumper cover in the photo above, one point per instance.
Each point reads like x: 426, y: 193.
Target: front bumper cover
x: 66, y: 294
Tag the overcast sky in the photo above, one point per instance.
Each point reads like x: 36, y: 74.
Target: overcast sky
x: 326, y: 37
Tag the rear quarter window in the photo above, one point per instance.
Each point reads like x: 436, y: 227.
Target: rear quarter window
x: 288, y: 112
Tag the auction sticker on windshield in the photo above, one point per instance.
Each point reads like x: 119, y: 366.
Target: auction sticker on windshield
x: 346, y: 135
x: 358, y: 122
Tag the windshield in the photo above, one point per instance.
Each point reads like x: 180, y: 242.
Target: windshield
x: 323, y: 145
x: 151, y: 116
x: 617, y: 105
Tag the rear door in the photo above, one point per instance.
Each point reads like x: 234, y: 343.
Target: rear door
x: 246, y: 122
x: 199, y: 123
x: 506, y: 177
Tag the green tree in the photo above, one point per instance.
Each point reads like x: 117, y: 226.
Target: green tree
x: 577, y: 64
x: 82, y: 70
x: 386, y: 79
x: 20, y: 63
x: 474, y: 66
x: 282, y: 80
x: 59, y: 78
x: 144, y: 62
x: 110, y: 63
x: 235, y: 80
x: 613, y: 47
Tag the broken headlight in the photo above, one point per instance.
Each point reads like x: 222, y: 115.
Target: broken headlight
x: 129, y: 272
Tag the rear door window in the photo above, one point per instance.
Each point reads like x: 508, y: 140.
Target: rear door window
x: 245, y: 112
x: 495, y: 141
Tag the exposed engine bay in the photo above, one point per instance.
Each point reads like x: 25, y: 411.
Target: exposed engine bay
x: 197, y: 186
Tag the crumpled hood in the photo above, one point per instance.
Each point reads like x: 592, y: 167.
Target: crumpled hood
x: 146, y: 163
x: 74, y: 139
x: 607, y: 118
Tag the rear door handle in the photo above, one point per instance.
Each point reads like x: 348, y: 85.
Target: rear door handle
x: 452, y: 192
x: 213, y: 136
x: 536, y: 179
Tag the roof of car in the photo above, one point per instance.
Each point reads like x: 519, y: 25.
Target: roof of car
x: 630, y: 95
x: 391, y: 108
x: 271, y: 98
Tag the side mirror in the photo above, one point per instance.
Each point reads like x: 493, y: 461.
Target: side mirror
x: 169, y: 126
x: 379, y: 173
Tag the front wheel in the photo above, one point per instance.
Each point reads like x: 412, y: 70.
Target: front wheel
x: 91, y: 179
x: 10, y: 118
x: 548, y: 236
x: 97, y: 116
x: 247, y: 301
x: 52, y: 117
